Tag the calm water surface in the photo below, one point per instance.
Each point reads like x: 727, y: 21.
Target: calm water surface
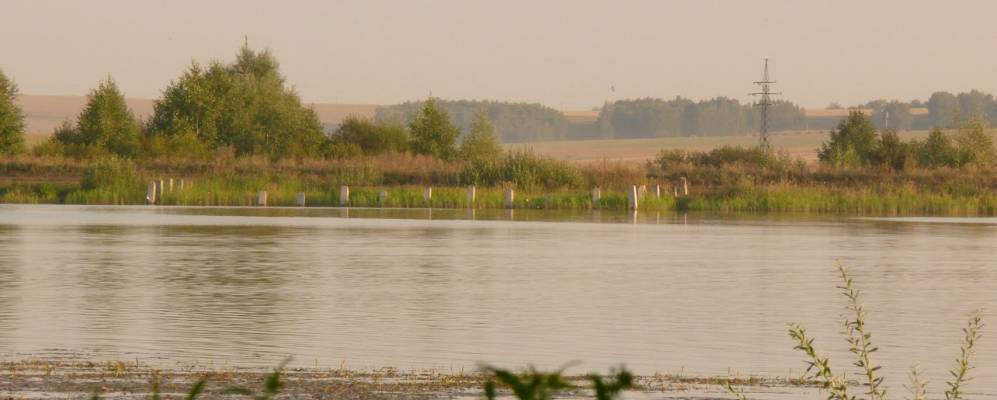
x: 436, y: 289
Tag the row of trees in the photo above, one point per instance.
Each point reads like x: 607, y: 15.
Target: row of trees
x: 247, y: 107
x: 856, y: 142
x: 430, y: 132
x: 514, y: 122
x: 244, y: 106
x: 946, y: 110
x: 637, y: 118
x: 680, y: 116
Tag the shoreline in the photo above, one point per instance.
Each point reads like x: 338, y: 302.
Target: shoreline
x: 32, y: 378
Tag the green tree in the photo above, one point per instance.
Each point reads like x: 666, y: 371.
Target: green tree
x: 943, y: 109
x: 11, y: 118
x: 370, y: 137
x: 975, y: 145
x: 893, y: 152
x: 853, y: 142
x: 514, y: 122
x: 245, y: 105
x: 105, y: 123
x: 481, y: 142
x: 937, y: 151
x: 433, y: 133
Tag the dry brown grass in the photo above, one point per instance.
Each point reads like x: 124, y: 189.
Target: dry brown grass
x: 581, y: 116
x: 799, y: 144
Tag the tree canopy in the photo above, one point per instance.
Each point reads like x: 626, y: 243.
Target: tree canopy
x: 852, y: 143
x: 433, y: 133
x: 244, y: 105
x: 105, y: 123
x: 358, y: 135
x: 650, y: 117
x: 481, y: 142
x: 514, y: 122
x: 11, y: 118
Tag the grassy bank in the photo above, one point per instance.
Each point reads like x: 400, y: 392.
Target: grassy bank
x: 83, y: 378
x: 538, y: 183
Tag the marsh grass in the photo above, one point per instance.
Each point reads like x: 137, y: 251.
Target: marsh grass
x: 272, y: 385
x: 537, y: 385
x: 860, y: 345
x: 733, y: 182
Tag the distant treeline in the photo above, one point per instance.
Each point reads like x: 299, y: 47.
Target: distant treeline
x: 523, y: 122
x: 945, y: 110
x: 720, y: 116
x: 514, y: 122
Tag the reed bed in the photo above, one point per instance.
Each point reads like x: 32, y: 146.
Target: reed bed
x: 722, y: 188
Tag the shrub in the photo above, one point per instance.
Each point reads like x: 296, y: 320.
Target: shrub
x: 244, y: 105
x: 852, y: 143
x: 11, y: 118
x: 105, y: 123
x: 525, y: 170
x: 975, y: 146
x: 937, y: 151
x: 363, y: 136
x: 894, y: 153
x: 432, y: 132
x: 110, y: 174
x: 481, y: 142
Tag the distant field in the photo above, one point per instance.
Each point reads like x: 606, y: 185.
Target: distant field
x: 802, y: 144
x: 45, y: 113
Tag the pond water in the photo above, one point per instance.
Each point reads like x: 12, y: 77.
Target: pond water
x: 448, y: 289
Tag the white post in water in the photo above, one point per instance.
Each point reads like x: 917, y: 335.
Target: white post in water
x: 596, y: 196
x: 301, y: 199
x: 657, y: 191
x: 632, y: 197
x: 427, y: 194
x: 510, y: 198
x: 159, y: 190
x: 181, y: 184
x: 261, y: 198
x: 150, y: 193
x: 470, y: 196
x: 382, y: 197
x: 344, y: 196
x: 685, y: 186
x: 170, y: 182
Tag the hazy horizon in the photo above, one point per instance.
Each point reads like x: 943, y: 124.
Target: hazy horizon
x: 565, y: 54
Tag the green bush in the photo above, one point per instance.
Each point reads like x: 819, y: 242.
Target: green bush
x: 524, y: 170
x: 11, y: 118
x: 481, y: 142
x: 937, y: 151
x: 852, y: 143
x: 110, y: 173
x: 369, y: 137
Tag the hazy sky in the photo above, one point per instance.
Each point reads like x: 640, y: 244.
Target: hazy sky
x: 567, y: 54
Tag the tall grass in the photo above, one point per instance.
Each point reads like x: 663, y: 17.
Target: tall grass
x: 724, y: 180
x: 860, y: 345
x: 272, y: 385
x: 537, y: 385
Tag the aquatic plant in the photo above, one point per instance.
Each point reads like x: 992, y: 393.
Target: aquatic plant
x: 537, y: 385
x: 972, y: 333
x: 272, y: 385
x: 860, y: 344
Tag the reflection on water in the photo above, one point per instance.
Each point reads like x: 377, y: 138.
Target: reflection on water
x: 449, y: 288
